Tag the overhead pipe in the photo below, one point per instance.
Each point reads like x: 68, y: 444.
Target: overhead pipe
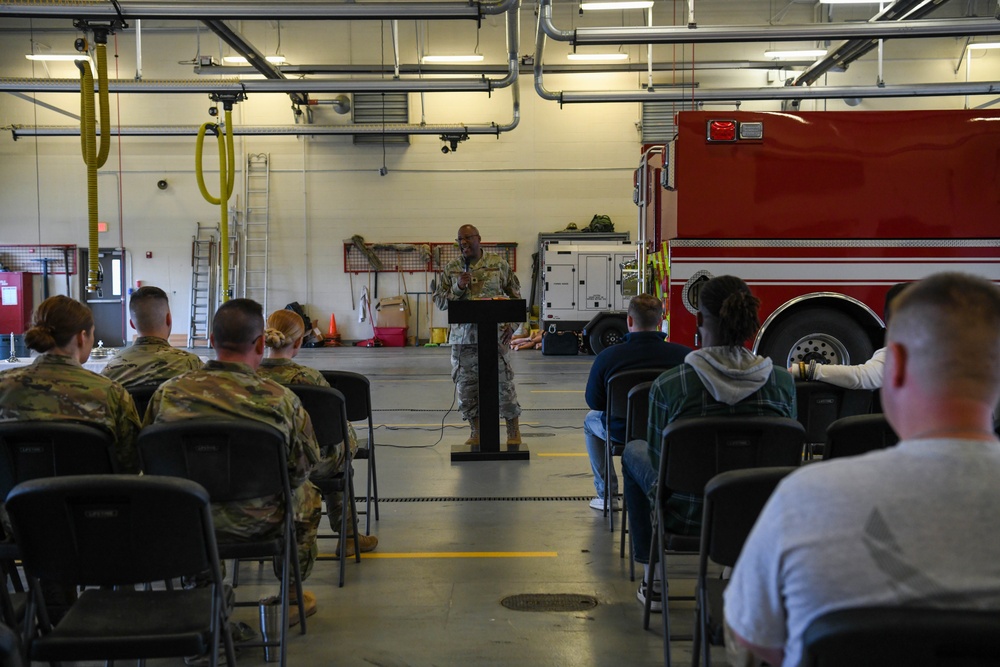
x: 249, y: 11
x: 19, y: 131
x: 477, y: 85
x: 762, y: 33
x: 255, y: 58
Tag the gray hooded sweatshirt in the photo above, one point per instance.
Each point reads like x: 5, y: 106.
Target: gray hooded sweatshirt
x: 730, y: 374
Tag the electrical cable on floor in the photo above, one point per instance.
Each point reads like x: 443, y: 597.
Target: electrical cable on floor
x: 417, y: 428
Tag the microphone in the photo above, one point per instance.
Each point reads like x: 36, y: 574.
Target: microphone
x: 466, y: 264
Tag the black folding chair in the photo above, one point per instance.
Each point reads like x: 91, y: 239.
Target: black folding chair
x: 911, y: 636
x: 357, y: 391
x: 236, y: 461
x: 328, y: 412
x: 616, y: 405
x: 141, y: 394
x: 10, y: 648
x: 118, y: 533
x: 636, y: 424
x: 819, y: 404
x: 694, y: 451
x: 851, y: 436
x: 733, y: 501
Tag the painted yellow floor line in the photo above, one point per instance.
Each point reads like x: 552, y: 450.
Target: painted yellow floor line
x: 438, y: 424
x: 457, y: 554
x: 557, y: 391
x: 560, y: 454
x: 381, y: 379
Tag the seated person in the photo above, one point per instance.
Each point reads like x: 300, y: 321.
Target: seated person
x: 521, y: 340
x: 908, y: 526
x: 721, y: 378
x: 150, y: 359
x: 644, y: 347
x: 859, y: 376
x: 229, y: 388
x: 283, y: 338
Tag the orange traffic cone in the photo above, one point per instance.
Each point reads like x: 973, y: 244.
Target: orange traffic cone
x: 332, y: 338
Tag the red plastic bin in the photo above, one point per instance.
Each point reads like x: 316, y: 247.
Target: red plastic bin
x: 391, y: 336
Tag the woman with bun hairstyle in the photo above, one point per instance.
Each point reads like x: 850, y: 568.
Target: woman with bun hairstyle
x: 721, y: 378
x: 283, y: 336
x: 56, y: 387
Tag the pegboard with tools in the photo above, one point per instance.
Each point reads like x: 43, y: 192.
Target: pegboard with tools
x: 40, y: 259
x: 413, y: 257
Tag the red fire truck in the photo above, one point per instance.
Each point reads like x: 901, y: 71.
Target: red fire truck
x: 821, y: 212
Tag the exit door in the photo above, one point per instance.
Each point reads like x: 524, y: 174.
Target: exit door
x: 107, y: 302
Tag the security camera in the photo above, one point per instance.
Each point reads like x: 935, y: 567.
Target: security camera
x: 444, y: 149
x: 162, y: 184
x: 213, y: 111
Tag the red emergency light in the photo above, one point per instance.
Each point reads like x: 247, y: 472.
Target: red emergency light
x: 721, y: 130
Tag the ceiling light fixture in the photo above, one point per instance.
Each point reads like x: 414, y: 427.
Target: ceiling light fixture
x: 58, y: 56
x: 625, y: 4
x: 984, y: 45
x: 470, y: 58
x: 240, y: 60
x: 853, y: 2
x: 597, y: 56
x: 801, y: 53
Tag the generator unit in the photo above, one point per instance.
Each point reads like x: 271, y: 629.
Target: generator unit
x: 583, y: 280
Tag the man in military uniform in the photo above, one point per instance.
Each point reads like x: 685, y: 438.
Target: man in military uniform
x: 229, y: 388
x: 479, y: 275
x: 150, y: 359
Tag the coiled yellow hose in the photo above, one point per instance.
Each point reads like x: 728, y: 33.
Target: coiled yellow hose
x: 93, y: 157
x: 227, y: 178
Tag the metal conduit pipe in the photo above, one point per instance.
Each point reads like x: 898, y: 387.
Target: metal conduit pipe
x: 763, y: 33
x: 248, y: 11
x: 479, y: 85
x: 19, y: 131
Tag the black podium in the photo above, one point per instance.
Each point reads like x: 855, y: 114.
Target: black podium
x: 486, y: 314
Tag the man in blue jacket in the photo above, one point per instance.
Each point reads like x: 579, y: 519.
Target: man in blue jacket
x: 644, y: 347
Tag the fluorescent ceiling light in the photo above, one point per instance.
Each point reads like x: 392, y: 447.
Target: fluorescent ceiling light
x: 984, y: 45
x: 58, y: 56
x: 625, y: 4
x: 240, y: 60
x: 598, y: 56
x: 801, y: 53
x: 853, y: 2
x: 470, y: 58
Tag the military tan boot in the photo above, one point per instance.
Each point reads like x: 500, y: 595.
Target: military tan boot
x: 513, y: 432
x: 474, y: 435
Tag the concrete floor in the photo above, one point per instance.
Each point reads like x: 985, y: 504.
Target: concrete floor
x: 457, y: 538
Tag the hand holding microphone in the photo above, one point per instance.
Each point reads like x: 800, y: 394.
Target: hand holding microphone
x: 465, y: 279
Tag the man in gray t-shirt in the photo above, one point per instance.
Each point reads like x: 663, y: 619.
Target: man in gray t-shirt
x: 903, y: 526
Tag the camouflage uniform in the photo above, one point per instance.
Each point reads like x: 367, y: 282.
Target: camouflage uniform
x: 225, y: 390
x: 491, y: 277
x: 149, y: 360
x: 287, y: 372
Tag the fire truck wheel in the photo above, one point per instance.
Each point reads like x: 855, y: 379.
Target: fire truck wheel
x: 828, y: 336
x: 609, y: 331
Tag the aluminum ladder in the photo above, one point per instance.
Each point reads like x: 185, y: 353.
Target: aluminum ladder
x: 204, y: 246
x: 253, y: 249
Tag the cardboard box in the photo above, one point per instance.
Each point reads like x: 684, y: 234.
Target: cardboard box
x: 392, y: 311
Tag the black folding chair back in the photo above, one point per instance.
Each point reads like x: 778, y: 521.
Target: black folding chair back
x: 911, y: 636
x: 141, y: 394
x: 10, y: 648
x: 616, y: 406
x: 116, y: 532
x: 36, y: 449
x: 327, y: 410
x: 234, y: 460
x: 636, y: 425
x: 851, y: 436
x: 733, y: 501
x: 693, y: 451
x: 357, y: 391
x: 819, y: 404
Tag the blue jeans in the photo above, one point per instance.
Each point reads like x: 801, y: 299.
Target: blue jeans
x: 639, y: 477
x: 593, y: 434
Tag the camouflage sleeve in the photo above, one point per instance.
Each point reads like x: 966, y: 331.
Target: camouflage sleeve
x: 442, y: 293
x: 126, y: 429
x: 304, y: 453
x: 511, y: 285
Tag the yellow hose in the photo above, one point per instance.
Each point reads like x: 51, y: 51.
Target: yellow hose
x: 227, y: 179
x: 93, y: 157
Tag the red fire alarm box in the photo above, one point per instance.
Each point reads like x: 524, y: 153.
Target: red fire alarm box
x: 15, y: 302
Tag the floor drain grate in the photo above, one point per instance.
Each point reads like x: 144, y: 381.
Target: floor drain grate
x: 549, y: 602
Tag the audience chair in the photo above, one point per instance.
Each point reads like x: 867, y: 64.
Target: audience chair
x: 327, y: 410
x: 357, y: 390
x: 851, y: 436
x: 34, y: 449
x: 112, y: 533
x: 235, y: 460
x: 819, y: 404
x: 636, y: 424
x: 694, y: 451
x: 141, y: 393
x: 616, y: 405
x: 911, y: 636
x: 12, y: 596
x: 733, y: 501
x: 10, y: 648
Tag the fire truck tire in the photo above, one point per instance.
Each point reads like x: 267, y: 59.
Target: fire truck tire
x: 828, y: 336
x: 609, y: 331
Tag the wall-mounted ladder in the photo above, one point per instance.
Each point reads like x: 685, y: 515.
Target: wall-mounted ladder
x: 253, y: 258
x: 203, y: 284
